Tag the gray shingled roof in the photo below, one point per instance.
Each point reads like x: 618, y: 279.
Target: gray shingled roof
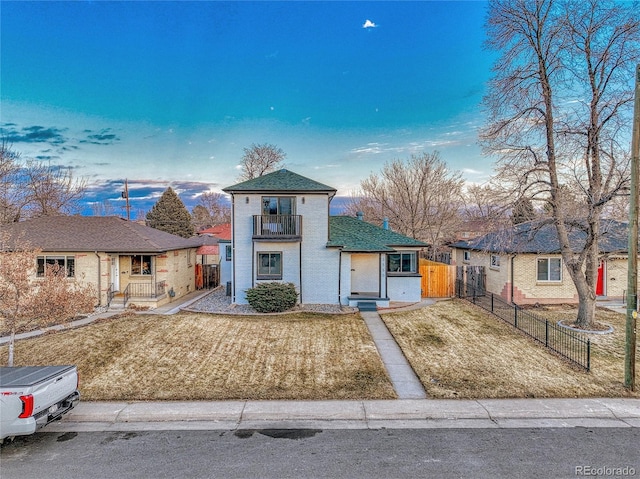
x: 108, y: 234
x: 537, y: 238
x: 354, y: 235
x: 281, y: 181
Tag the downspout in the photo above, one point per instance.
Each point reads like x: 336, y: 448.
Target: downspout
x: 300, y: 268
x: 99, y: 279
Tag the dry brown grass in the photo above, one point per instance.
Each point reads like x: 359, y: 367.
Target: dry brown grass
x: 460, y: 351
x: 200, y: 356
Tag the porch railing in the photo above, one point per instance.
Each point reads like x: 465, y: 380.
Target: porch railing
x: 277, y: 226
x: 144, y: 290
x: 110, y: 295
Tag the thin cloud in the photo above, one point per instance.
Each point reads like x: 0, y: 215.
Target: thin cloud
x: 369, y: 24
x: 34, y: 134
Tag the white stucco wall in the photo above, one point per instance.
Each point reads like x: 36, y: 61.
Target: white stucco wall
x: 404, y: 288
x: 308, y: 264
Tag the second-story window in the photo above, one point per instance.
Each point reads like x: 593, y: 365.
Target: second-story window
x: 278, y: 205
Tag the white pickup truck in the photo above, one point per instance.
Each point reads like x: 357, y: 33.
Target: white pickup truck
x: 33, y: 396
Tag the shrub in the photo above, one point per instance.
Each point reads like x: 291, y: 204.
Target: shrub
x: 272, y: 297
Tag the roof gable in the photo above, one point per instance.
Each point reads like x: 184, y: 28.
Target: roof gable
x: 354, y: 235
x: 284, y: 181
x: 92, y: 233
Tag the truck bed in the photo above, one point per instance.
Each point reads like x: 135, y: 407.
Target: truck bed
x: 27, y: 376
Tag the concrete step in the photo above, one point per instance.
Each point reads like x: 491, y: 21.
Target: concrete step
x: 367, y: 306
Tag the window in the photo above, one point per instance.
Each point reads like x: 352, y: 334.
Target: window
x: 141, y: 264
x: 270, y: 265
x: 401, y: 263
x: 227, y: 250
x: 466, y: 256
x: 278, y: 205
x: 495, y: 261
x: 66, y: 262
x: 549, y: 269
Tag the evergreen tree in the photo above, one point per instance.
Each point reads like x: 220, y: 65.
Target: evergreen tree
x: 169, y: 214
x: 523, y: 211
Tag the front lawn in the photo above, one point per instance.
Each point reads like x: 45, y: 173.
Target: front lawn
x: 460, y: 351
x: 191, y: 356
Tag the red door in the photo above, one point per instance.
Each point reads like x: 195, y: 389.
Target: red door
x: 600, y: 282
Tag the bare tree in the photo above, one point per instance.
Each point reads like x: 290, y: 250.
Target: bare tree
x: 25, y: 303
x: 558, y: 101
x: 487, y: 204
x: 217, y: 205
x: 31, y: 189
x: 103, y: 208
x: 259, y: 160
x: 420, y: 197
x: 52, y: 190
x: 12, y: 197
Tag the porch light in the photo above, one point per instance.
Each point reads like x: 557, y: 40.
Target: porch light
x: 246, y: 200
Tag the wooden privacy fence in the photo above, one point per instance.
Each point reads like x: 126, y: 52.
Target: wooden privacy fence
x: 438, y: 279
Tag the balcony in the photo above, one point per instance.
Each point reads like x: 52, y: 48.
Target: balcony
x: 277, y: 227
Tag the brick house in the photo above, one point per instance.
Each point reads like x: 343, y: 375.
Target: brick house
x: 147, y: 265
x: 282, y: 231
x: 523, y: 264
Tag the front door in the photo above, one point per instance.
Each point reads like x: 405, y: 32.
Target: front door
x: 365, y: 274
x: 115, y: 273
x: 600, y: 282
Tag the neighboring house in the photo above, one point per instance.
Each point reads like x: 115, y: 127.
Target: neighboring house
x: 221, y: 231
x: 116, y: 256
x: 282, y: 231
x: 523, y: 264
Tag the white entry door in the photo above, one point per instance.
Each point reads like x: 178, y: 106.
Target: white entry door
x: 365, y: 273
x: 115, y: 272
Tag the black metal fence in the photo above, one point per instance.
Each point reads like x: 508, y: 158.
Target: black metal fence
x: 564, y: 342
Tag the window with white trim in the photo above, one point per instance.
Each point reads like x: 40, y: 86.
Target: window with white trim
x: 494, y: 261
x: 549, y: 269
x: 402, y: 262
x: 270, y: 265
x: 466, y: 256
x: 68, y: 263
x: 227, y: 250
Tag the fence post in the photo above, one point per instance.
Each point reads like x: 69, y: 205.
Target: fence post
x: 546, y: 333
x: 492, y: 302
x: 588, y: 354
x: 515, y: 316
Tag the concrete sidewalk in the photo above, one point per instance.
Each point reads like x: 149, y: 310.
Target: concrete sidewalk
x: 343, y: 414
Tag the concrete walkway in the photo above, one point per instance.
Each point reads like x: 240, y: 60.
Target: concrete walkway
x: 339, y: 414
x: 404, y: 380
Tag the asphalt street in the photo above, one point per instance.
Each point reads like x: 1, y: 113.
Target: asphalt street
x: 334, y: 453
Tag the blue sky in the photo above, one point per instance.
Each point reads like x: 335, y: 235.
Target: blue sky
x: 169, y: 93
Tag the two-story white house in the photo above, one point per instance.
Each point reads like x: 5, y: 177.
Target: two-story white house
x: 282, y: 231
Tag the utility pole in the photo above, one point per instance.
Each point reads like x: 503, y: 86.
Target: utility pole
x: 125, y: 195
x: 632, y: 274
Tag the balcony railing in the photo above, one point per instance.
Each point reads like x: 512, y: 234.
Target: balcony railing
x: 277, y: 226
